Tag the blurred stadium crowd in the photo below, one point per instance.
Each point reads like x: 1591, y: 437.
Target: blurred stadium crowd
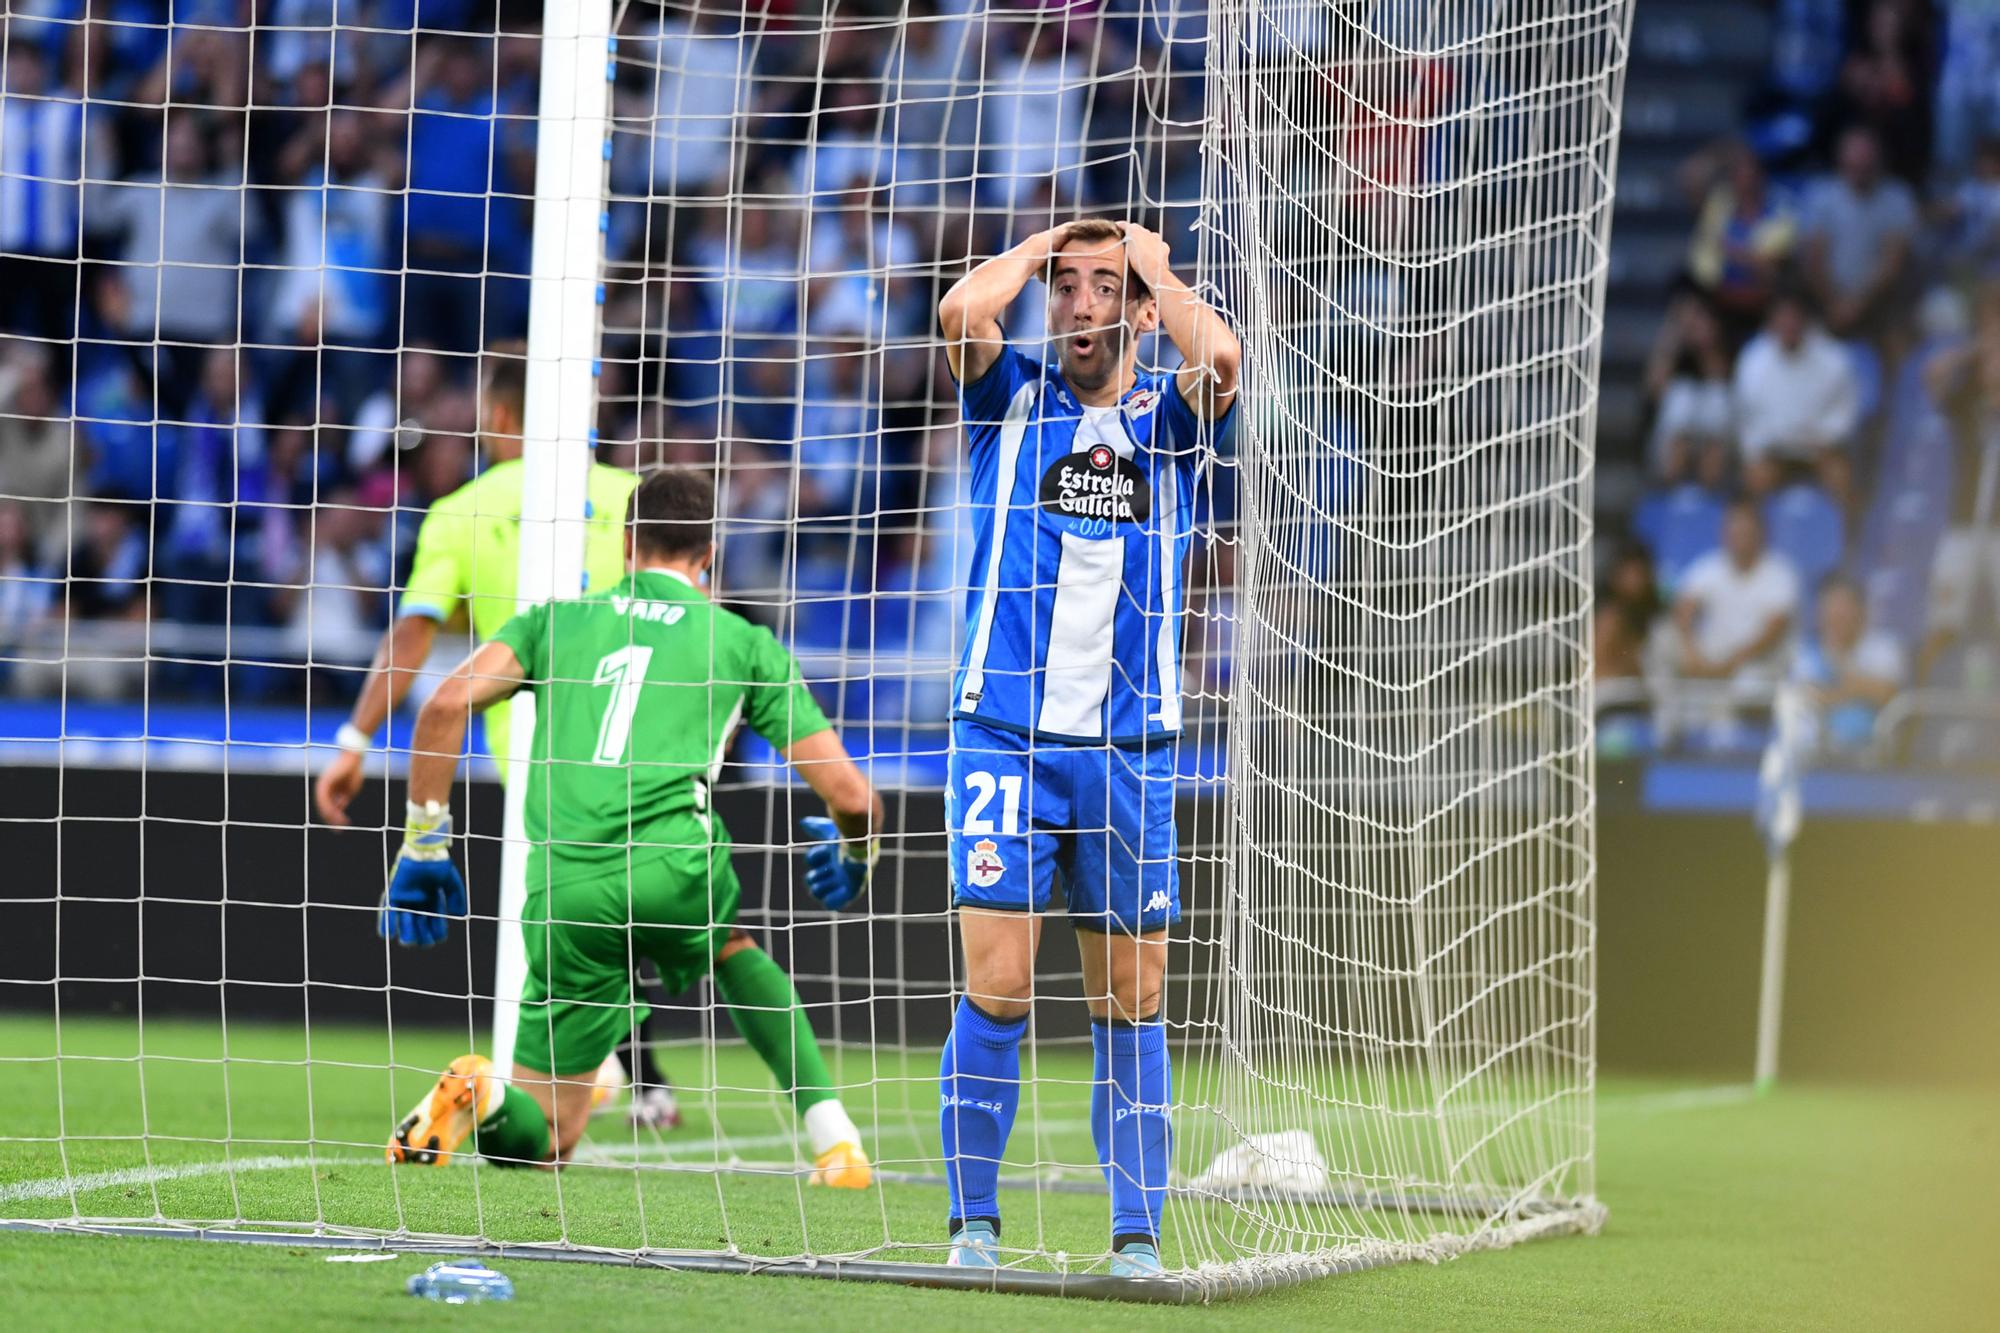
x: 1820, y: 435
x: 295, y: 241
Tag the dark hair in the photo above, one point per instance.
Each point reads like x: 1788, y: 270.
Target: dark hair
x: 1096, y: 231
x: 673, y: 513
x: 504, y: 377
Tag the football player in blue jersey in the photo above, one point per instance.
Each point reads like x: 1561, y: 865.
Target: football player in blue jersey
x: 1067, y: 705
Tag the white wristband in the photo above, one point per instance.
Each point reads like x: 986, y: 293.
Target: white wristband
x: 353, y: 739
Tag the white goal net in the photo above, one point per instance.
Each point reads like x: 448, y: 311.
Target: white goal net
x: 280, y: 295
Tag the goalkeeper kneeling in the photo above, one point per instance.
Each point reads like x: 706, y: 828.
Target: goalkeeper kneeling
x: 638, y: 690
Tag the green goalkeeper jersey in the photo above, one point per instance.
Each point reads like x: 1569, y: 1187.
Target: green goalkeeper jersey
x: 637, y: 691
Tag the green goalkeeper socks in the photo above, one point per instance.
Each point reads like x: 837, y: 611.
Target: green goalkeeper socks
x: 766, y: 1009
x: 516, y: 1134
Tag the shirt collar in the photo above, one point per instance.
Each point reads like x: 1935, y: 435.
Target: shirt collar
x: 670, y: 573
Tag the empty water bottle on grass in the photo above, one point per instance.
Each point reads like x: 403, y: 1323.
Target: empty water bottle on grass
x: 461, y: 1282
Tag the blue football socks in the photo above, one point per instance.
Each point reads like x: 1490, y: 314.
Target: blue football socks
x: 979, y: 1082
x: 1128, y: 1118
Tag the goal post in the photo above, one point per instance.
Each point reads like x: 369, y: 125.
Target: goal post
x: 736, y: 226
x: 559, y: 426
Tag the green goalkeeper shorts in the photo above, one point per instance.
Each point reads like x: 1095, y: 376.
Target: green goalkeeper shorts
x: 583, y: 937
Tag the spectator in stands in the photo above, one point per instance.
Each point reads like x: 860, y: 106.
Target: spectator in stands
x: 1797, y: 399
x: 1968, y: 86
x: 180, y: 234
x: 1737, y: 606
x: 690, y: 68
x: 42, y: 133
x: 109, y: 565
x: 1886, y: 80
x: 1743, y: 236
x: 35, y: 444
x: 1687, y: 379
x: 937, y: 108
x: 751, y: 261
x: 1969, y: 214
x: 1627, y: 607
x: 1031, y: 118
x: 839, y: 427
x: 219, y: 440
x: 1850, y: 669
x: 466, y: 209
x: 1860, y: 226
x: 27, y: 588
x: 335, y: 286
x: 115, y: 413
x: 344, y: 605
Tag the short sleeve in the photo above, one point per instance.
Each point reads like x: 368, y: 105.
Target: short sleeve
x: 528, y: 635
x: 1191, y: 434
x: 1785, y: 593
x: 778, y: 706
x: 1699, y: 581
x: 985, y: 399
x: 438, y: 577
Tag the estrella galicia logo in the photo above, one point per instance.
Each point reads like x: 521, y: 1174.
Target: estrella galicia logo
x: 1097, y: 484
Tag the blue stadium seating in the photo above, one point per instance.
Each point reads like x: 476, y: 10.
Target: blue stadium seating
x: 1805, y: 526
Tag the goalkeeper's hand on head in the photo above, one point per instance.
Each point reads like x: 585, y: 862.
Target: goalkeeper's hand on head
x: 424, y: 888
x: 834, y: 874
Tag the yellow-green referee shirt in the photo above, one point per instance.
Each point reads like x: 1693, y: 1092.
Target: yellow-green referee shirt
x: 468, y: 553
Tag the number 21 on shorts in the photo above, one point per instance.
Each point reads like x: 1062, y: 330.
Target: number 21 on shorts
x: 981, y: 785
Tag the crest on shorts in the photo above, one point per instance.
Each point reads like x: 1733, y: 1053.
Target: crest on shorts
x: 984, y: 866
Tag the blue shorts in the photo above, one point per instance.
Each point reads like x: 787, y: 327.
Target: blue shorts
x: 1018, y: 809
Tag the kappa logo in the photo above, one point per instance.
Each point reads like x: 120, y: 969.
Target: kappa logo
x: 984, y: 867
x: 1158, y: 902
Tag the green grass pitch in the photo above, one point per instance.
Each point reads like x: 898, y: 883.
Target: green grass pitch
x: 1815, y: 1207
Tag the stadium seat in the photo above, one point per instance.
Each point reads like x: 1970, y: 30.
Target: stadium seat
x: 1677, y: 526
x: 1805, y: 526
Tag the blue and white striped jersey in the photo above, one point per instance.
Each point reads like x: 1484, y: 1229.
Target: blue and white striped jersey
x: 1082, y: 518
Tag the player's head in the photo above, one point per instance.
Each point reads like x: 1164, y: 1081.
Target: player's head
x: 671, y: 521
x: 1097, y: 305
x: 503, y: 398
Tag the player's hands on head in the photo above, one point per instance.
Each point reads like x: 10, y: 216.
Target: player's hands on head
x: 1148, y: 253
x: 425, y: 888
x: 834, y: 874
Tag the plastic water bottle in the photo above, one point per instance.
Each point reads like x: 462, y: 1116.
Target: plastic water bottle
x: 461, y: 1282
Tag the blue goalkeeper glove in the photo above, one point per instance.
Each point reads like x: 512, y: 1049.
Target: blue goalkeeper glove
x: 834, y: 874
x: 425, y: 887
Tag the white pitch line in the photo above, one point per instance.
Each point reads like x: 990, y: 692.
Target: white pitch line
x: 88, y: 1182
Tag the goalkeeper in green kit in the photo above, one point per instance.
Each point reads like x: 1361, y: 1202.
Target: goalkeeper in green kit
x: 638, y: 691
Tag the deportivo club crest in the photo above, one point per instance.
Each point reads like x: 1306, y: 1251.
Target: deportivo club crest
x: 984, y: 866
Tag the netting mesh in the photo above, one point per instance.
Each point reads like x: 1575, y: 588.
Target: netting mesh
x: 255, y: 268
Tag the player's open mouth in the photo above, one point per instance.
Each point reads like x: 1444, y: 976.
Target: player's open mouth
x: 1082, y: 344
